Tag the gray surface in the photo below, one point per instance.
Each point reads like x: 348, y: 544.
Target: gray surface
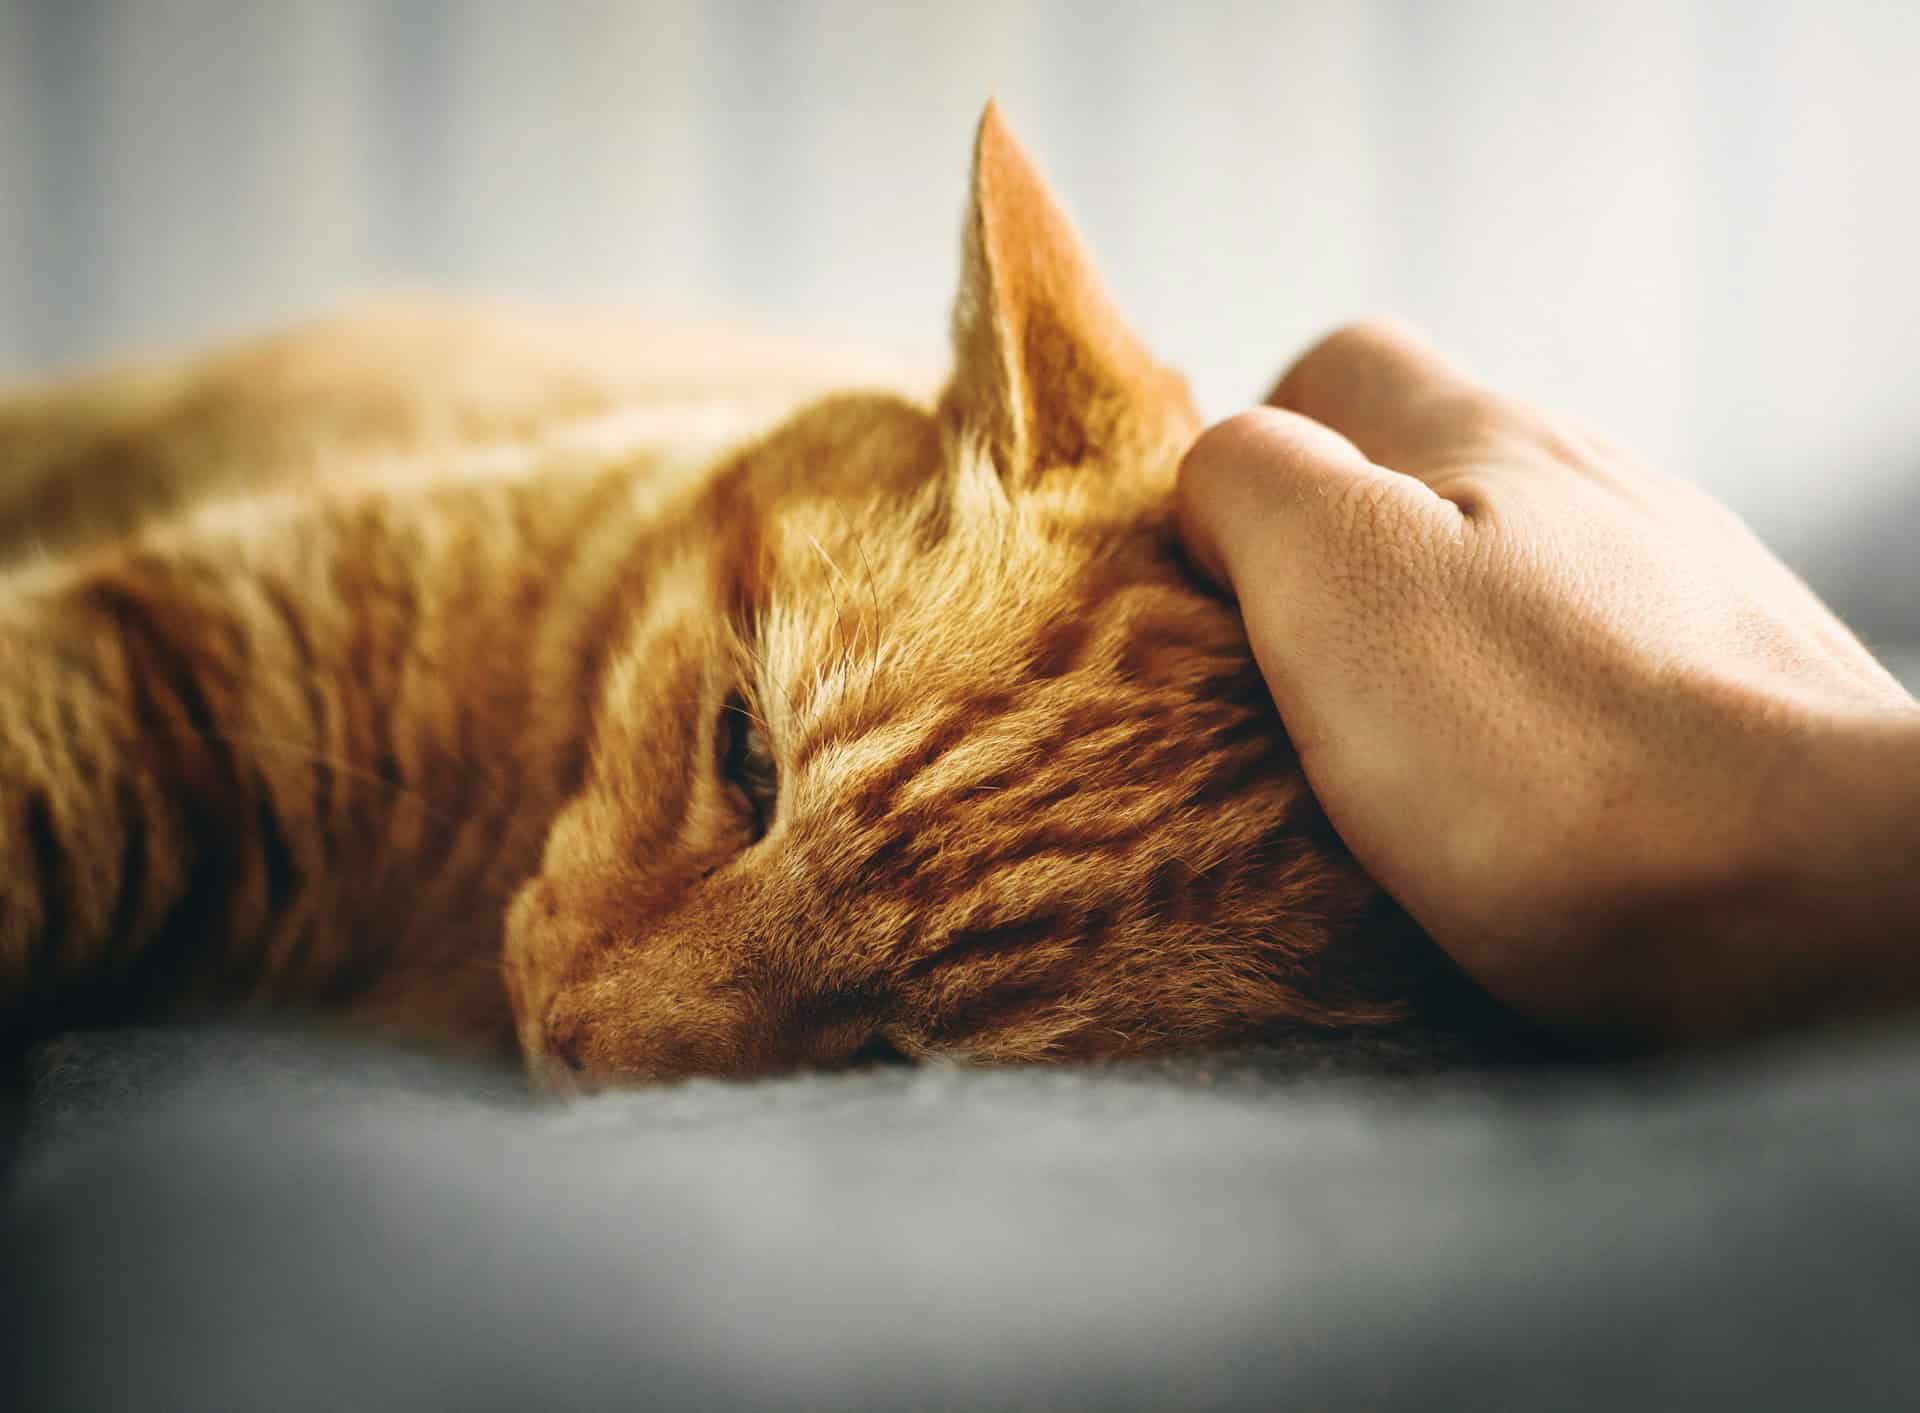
x: 1859, y: 556
x: 240, y: 1221
x: 1905, y: 663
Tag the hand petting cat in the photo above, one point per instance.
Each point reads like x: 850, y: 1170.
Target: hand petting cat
x: 1614, y: 757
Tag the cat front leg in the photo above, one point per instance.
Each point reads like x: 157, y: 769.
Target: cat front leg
x: 301, y: 760
x: 131, y: 838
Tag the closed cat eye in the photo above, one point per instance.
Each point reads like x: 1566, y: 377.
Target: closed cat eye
x: 879, y: 1051
x: 747, y: 764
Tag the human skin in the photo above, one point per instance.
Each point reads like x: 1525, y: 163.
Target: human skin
x: 1617, y: 760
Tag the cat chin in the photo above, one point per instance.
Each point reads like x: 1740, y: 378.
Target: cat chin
x: 558, y: 1080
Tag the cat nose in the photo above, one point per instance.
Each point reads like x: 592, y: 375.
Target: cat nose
x: 563, y: 1046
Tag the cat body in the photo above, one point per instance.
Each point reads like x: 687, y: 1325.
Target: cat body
x: 480, y: 677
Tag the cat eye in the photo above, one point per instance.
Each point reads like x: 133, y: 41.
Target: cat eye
x: 747, y: 764
x: 878, y: 1051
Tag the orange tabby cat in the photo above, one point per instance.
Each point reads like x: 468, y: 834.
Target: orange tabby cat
x: 491, y: 703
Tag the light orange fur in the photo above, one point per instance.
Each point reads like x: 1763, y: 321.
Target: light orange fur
x: 428, y: 725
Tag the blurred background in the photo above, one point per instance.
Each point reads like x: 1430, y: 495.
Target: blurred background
x: 1694, y: 225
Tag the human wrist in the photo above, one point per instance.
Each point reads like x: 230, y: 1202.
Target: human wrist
x: 1843, y: 916
x: 1869, y: 805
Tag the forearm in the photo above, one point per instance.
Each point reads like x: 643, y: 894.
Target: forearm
x: 1819, y: 919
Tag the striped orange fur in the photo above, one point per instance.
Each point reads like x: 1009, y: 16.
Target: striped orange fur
x: 447, y: 672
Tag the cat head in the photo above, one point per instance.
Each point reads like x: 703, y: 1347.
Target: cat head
x: 926, y: 742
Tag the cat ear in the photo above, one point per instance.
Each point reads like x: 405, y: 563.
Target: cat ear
x: 1047, y: 374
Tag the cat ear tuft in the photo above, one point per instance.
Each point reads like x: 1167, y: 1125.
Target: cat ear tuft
x: 1046, y: 373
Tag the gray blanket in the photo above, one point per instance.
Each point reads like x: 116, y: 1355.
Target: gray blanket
x: 256, y: 1219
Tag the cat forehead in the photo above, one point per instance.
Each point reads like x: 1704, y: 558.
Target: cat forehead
x: 889, y: 561
x: 995, y: 663
x: 961, y: 579
x: 889, y: 454
x: 848, y: 447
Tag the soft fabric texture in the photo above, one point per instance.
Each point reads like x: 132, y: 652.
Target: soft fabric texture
x: 258, y: 1219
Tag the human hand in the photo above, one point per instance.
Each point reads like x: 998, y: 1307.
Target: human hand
x: 1615, y: 758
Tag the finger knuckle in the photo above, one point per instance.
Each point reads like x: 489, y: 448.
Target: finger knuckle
x: 1234, y: 452
x: 1369, y: 334
x: 1472, y: 418
x: 1340, y: 356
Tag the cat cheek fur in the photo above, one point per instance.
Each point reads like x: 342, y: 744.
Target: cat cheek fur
x: 664, y: 971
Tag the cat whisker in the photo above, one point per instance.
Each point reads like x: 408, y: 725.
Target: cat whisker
x: 753, y: 716
x: 517, y: 830
x: 839, y: 621
x: 873, y: 593
x: 307, y: 754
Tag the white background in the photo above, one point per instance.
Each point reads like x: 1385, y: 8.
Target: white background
x: 1694, y: 225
